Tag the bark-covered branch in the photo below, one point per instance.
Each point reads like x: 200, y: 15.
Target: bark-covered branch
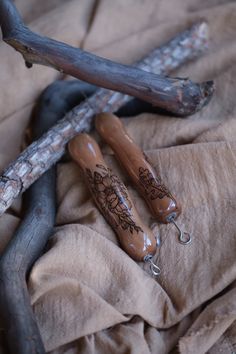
x: 20, y: 327
x: 179, y: 96
x: 47, y: 150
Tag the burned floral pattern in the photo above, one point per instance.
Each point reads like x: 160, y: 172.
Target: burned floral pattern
x: 112, y: 198
x: 153, y: 187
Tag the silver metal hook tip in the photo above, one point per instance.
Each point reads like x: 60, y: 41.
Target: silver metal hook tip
x: 184, y: 237
x: 154, y: 268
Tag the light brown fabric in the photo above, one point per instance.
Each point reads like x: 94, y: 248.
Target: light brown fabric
x: 87, y: 294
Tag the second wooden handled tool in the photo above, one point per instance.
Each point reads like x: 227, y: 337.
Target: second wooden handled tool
x: 162, y: 203
x: 114, y: 202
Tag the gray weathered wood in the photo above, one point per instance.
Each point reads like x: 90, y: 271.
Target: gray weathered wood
x: 179, y: 96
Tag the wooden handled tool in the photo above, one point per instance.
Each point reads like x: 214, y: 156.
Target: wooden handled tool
x: 113, y: 200
x: 162, y: 203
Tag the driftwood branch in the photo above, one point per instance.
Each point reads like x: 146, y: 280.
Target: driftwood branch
x: 20, y: 328
x: 46, y: 151
x: 179, y: 96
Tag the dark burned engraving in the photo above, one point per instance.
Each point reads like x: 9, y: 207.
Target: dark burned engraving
x: 112, y: 198
x: 153, y: 187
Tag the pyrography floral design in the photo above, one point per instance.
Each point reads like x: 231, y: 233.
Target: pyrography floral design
x: 153, y: 187
x: 112, y: 198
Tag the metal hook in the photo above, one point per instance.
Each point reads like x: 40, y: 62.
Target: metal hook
x: 183, y: 240
x: 153, y: 267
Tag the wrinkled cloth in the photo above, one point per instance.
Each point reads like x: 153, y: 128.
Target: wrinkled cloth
x: 87, y: 294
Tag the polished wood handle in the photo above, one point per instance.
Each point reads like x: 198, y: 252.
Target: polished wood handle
x: 113, y: 199
x: 161, y: 202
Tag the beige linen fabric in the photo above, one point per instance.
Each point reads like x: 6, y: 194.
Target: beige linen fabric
x: 88, y: 295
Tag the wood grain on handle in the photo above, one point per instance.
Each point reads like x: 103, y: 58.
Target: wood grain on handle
x: 113, y: 199
x: 159, y: 199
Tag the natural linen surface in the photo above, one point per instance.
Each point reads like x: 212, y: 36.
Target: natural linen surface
x: 87, y: 294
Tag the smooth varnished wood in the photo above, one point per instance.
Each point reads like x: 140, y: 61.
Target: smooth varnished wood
x: 162, y: 203
x: 113, y: 199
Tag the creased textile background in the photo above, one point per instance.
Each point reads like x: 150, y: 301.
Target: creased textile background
x: 88, y: 295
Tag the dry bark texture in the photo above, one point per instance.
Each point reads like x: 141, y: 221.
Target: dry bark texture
x: 47, y: 150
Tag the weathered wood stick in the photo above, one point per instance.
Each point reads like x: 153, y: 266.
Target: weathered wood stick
x: 20, y: 327
x: 46, y: 151
x: 179, y: 96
